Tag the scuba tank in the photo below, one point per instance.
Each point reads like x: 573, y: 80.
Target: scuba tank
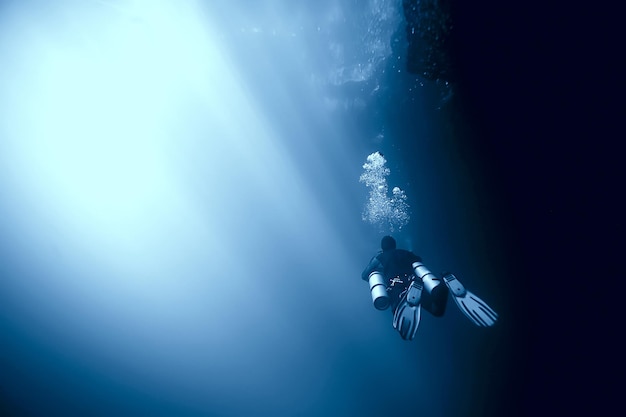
x: 428, y: 278
x: 378, y: 289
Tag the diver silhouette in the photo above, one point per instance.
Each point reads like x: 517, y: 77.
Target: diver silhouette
x: 398, y: 279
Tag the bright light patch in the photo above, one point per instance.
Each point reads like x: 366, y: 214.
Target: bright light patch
x: 157, y: 228
x: 133, y: 150
x: 99, y: 100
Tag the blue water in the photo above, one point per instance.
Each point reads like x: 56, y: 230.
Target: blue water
x: 181, y: 226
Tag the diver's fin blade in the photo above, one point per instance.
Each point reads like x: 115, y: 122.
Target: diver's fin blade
x: 414, y: 293
x: 476, y: 310
x: 406, y: 320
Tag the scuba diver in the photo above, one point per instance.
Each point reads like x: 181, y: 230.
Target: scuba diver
x: 398, y: 279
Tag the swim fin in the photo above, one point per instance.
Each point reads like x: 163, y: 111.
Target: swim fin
x: 406, y: 318
x: 473, y: 307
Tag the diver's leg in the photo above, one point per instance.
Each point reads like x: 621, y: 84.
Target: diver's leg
x: 436, y: 302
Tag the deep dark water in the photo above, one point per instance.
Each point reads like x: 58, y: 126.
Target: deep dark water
x: 531, y: 124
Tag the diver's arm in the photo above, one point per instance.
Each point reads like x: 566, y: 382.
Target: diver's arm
x: 374, y: 265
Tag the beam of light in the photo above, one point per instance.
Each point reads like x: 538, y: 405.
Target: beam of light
x: 147, y: 197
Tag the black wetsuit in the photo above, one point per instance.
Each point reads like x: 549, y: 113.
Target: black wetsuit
x: 396, y: 265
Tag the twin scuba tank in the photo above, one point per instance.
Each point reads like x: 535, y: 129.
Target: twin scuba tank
x: 378, y: 289
x: 378, y: 284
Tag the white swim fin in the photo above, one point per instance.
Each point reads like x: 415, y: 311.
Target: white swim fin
x: 473, y: 307
x: 406, y: 318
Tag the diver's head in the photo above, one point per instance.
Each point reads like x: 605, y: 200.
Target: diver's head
x: 387, y: 243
